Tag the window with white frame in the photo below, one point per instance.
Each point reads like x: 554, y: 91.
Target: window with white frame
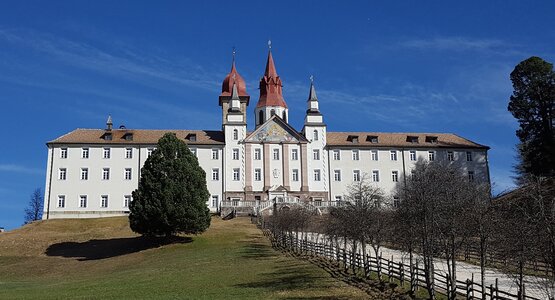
x: 215, y: 174
x: 84, y: 174
x: 356, y: 154
x: 276, y: 154
x: 315, y: 135
x: 128, y: 153
x: 83, y: 201
x: 412, y: 155
x: 62, y: 174
x: 395, y: 176
x: 257, y: 154
x: 450, y: 156
x: 235, y: 134
x: 336, y: 154
x: 468, y: 156
x: 235, y: 155
x: 374, y: 155
x: 316, y: 154
x: 84, y: 152
x: 127, y: 174
x: 63, y: 153
x: 149, y: 152
x: 106, y: 174
x: 317, y: 175
x: 470, y: 176
x: 375, y: 176
x: 431, y: 155
x: 236, y: 174
x: 295, y: 175
x: 104, y: 201
x: 393, y: 154
x: 337, y: 175
x: 61, y: 201
x: 294, y: 154
x: 126, y: 200
x: 356, y: 175
x: 106, y: 153
x: 215, y: 201
x: 257, y: 174
x: 338, y: 198
x: 215, y: 154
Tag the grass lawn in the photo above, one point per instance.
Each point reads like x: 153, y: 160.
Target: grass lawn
x: 102, y: 258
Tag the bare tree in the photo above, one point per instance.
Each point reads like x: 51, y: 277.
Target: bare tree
x: 528, y: 235
x: 33, y: 212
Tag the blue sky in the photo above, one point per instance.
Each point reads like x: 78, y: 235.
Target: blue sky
x: 419, y: 66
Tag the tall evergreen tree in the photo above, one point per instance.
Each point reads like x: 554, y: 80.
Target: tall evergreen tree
x: 172, y: 193
x: 532, y: 104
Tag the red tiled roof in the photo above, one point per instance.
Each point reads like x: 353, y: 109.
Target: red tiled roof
x: 140, y: 136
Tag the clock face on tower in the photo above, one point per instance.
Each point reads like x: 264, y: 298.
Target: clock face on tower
x: 276, y: 173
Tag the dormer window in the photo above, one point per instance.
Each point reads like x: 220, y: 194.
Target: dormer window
x: 412, y: 139
x: 372, y: 139
x: 353, y: 139
x: 128, y: 136
x: 431, y: 139
x: 191, y: 137
x: 107, y: 136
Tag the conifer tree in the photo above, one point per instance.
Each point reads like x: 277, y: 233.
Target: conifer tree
x: 172, y: 193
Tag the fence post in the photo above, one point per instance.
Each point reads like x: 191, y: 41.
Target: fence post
x: 491, y: 295
x: 379, y: 259
x: 447, y: 285
x: 402, y: 273
x: 413, y: 277
x: 497, y: 288
x: 468, y: 288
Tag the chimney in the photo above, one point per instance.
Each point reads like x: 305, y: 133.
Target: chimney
x: 109, y: 123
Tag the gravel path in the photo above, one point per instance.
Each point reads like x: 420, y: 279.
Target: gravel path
x: 465, y: 271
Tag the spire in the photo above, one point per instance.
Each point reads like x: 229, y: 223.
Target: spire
x: 312, y: 101
x: 235, y: 101
x: 270, y: 67
x: 270, y: 84
x: 312, y: 93
x: 109, y: 123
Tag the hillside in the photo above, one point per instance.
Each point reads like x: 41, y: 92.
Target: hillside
x: 102, y: 258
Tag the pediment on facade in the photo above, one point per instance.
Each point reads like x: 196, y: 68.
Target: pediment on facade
x: 275, y: 130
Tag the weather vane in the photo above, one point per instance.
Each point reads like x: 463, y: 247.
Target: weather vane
x: 311, y: 78
x: 233, y: 53
x: 270, y: 44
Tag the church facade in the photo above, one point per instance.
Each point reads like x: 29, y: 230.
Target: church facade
x: 92, y: 172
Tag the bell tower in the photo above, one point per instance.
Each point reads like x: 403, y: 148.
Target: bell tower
x: 232, y: 79
x: 271, y: 100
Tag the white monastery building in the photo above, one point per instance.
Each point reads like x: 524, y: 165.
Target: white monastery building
x: 92, y: 172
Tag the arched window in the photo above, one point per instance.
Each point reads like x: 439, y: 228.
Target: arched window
x: 272, y: 112
x: 235, y: 134
x: 260, y: 117
x: 284, y: 116
x: 315, y: 135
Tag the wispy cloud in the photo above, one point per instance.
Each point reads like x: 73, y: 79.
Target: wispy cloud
x: 120, y: 61
x: 453, y: 44
x: 13, y: 168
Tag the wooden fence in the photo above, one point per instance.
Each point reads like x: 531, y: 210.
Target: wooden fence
x: 387, y: 269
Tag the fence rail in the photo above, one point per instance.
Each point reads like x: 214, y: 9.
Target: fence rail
x: 413, y: 274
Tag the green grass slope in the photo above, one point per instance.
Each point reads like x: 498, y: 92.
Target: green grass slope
x: 103, y: 259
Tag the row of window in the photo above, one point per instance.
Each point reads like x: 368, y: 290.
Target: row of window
x: 276, y: 154
x: 375, y: 175
x: 393, y: 155
x: 127, y: 174
x: 83, y: 201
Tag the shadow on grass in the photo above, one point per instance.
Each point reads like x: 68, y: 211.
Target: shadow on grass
x: 255, y: 248
x: 101, y: 249
x: 292, y: 276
